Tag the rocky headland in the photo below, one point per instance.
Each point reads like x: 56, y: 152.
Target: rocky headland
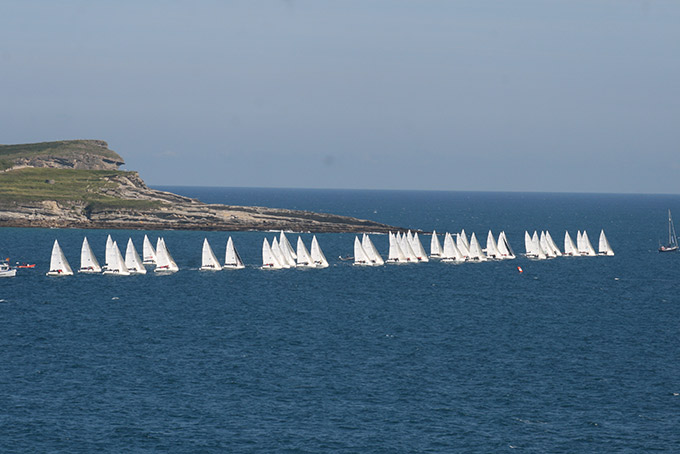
x: 77, y: 184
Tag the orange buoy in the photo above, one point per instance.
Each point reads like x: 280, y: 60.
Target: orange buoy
x: 519, y: 268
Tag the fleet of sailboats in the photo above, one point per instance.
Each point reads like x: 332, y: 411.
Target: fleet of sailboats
x: 279, y: 254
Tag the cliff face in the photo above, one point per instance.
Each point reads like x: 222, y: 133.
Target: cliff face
x: 92, y: 195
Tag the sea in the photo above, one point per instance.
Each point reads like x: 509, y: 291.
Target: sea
x: 572, y: 355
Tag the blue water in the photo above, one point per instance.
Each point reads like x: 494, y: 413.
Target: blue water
x: 573, y: 355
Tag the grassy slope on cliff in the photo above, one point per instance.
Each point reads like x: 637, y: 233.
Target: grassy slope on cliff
x: 36, y: 184
x: 63, y: 148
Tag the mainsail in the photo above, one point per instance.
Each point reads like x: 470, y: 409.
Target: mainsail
x: 232, y: 260
x: 148, y: 252
x: 435, y: 246
x: 88, y: 262
x: 132, y: 261
x: 208, y: 260
x: 58, y: 264
x: 317, y: 254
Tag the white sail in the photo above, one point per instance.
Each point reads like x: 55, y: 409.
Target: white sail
x: 304, y: 259
x: 540, y: 252
x: 371, y: 251
x: 418, y: 248
x: 278, y: 255
x: 529, y: 245
x: 579, y: 242
x: 108, y: 252
x: 491, y: 247
x: 435, y: 246
x: 287, y: 254
x: 232, y: 260
x: 504, y: 248
x: 552, y: 244
x: 476, y: 253
x: 449, y: 252
x: 132, y: 260
x: 285, y: 245
x: 269, y: 260
x: 407, y: 249
x: 604, y: 246
x: 360, y: 257
x: 464, y: 239
x: 148, y: 252
x: 208, y: 260
x: 395, y: 254
x: 462, y: 244
x: 317, y: 254
x: 58, y: 264
x: 545, y: 245
x: 587, y: 247
x: 164, y: 261
x: 88, y: 262
x: 117, y: 265
x: 569, y: 247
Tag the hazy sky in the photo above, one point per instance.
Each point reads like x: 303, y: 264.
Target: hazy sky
x: 461, y: 95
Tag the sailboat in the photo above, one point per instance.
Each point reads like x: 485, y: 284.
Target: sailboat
x: 164, y: 261
x: 371, y: 251
x: 492, y: 251
x: 417, y: 247
x: 208, y: 260
x: 435, y: 246
x: 278, y: 254
x: 556, y: 251
x: 58, y: 264
x: 117, y: 264
x: 108, y: 252
x: 360, y: 256
x: 569, y: 247
x: 672, y: 244
x: 317, y: 254
x: 604, y: 248
x: 450, y: 253
x: 148, y: 252
x: 586, y: 248
x: 545, y: 245
x: 232, y: 260
x: 285, y: 246
x: 88, y: 262
x: 462, y: 244
x: 304, y: 259
x: 504, y: 247
x: 476, y: 254
x: 269, y: 260
x: 395, y: 254
x: 132, y: 261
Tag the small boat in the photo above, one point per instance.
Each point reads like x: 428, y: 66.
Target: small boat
x: 504, y: 247
x: 672, y: 244
x: 164, y: 261
x: 492, y: 251
x: 25, y: 265
x: 117, y: 265
x: 317, y: 254
x: 58, y: 264
x: 304, y: 259
x: 108, y: 253
x: 88, y: 262
x: 148, y: 252
x: 476, y: 254
x: 132, y: 260
x: 232, y: 260
x: 450, y: 253
x: 584, y: 246
x: 360, y: 256
x: 435, y: 246
x: 208, y: 260
x: 604, y: 248
x: 371, y: 251
x: 462, y: 244
x: 286, y: 248
x: 6, y: 270
x: 395, y: 254
x: 569, y: 247
x: 269, y: 260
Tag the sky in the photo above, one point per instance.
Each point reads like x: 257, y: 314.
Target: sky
x: 490, y: 95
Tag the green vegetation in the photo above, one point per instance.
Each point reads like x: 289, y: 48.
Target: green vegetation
x: 64, y: 148
x: 37, y: 184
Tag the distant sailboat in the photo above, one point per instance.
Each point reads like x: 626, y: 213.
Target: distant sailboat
x: 545, y: 245
x: 462, y: 244
x: 395, y: 254
x: 317, y: 254
x: 492, y: 251
x: 278, y: 254
x: 285, y: 247
x: 232, y: 260
x: 58, y: 264
x: 148, y: 252
x: 132, y: 260
x: 208, y: 260
x: 476, y: 254
x: 450, y: 253
x: 551, y: 243
x: 672, y: 244
x: 88, y: 262
x: 569, y: 247
x: 117, y: 265
x: 164, y: 261
x: 304, y: 258
x: 435, y: 246
x: 360, y: 256
x: 418, y: 248
x: 604, y: 248
x: 504, y: 247
x: 407, y: 249
x: 586, y: 248
x: 371, y: 251
x: 108, y: 252
x: 269, y: 260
